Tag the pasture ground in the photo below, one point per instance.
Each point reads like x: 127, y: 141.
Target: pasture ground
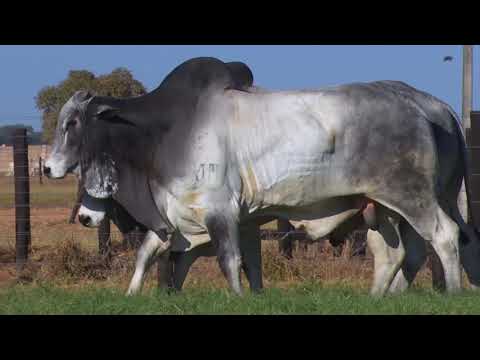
x: 65, y: 274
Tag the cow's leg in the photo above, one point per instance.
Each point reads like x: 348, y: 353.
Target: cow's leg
x: 152, y: 246
x: 434, y: 225
x: 181, y: 266
x: 469, y: 245
x: 184, y: 260
x: 470, y: 256
x: 164, y: 270
x: 224, y: 231
x: 251, y: 248
x: 182, y: 263
x: 414, y: 258
x: 438, y: 274
x: 388, y: 250
x: 445, y: 236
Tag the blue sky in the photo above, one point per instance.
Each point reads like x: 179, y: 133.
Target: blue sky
x: 26, y: 69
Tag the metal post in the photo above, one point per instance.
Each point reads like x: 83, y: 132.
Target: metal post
x: 22, y: 197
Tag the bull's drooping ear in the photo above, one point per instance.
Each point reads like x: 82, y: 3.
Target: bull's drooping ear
x: 112, y: 115
x: 106, y: 112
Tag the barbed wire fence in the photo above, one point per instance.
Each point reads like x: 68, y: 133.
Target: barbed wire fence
x: 23, y: 189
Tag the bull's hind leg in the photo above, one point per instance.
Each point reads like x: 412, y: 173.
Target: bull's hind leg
x: 152, y: 246
x: 388, y: 250
x: 445, y: 236
x: 435, y: 226
x: 414, y: 258
x: 469, y: 247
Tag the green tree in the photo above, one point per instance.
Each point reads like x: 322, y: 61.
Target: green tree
x: 50, y: 99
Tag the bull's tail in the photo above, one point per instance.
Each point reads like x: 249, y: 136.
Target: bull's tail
x: 466, y: 167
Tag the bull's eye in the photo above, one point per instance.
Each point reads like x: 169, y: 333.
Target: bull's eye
x: 72, y: 122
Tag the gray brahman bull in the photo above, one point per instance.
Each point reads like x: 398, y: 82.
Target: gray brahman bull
x: 353, y: 142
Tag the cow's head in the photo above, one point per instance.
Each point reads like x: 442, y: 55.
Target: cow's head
x: 65, y: 154
x: 93, y: 210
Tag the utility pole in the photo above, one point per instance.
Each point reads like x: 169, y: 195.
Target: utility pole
x: 467, y: 85
x: 467, y: 96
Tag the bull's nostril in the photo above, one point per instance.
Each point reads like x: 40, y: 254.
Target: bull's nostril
x: 46, y: 170
x: 84, y: 219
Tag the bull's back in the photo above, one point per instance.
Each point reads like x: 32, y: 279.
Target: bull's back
x: 298, y: 148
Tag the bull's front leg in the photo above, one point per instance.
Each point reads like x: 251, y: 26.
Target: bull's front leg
x: 183, y: 260
x: 165, y: 271
x: 250, y: 244
x: 153, y: 245
x: 223, y: 228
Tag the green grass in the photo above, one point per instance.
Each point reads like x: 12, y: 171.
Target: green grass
x: 306, y: 299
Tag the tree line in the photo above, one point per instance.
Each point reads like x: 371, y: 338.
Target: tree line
x: 50, y: 99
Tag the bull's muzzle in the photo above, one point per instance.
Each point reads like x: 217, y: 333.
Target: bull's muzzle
x: 85, y: 220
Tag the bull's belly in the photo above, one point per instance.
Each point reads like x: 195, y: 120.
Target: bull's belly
x: 318, y: 219
x: 322, y: 209
x: 294, y: 187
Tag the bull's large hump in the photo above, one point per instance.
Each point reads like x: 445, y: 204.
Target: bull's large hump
x: 242, y: 75
x: 199, y: 74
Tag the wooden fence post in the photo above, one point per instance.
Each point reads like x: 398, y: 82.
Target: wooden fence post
x: 22, y: 197
x: 473, y: 150
x: 76, y: 206
x: 40, y: 172
x: 285, y: 244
